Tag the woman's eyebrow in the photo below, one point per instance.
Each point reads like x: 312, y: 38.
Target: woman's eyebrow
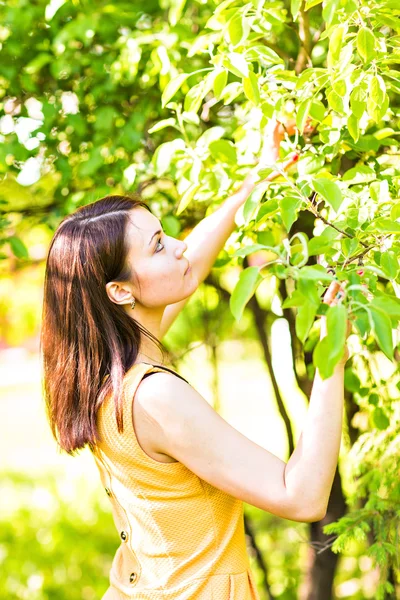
x: 154, y: 234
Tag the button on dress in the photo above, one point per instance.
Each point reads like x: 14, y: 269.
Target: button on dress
x: 180, y: 537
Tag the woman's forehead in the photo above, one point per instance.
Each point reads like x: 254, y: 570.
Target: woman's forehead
x: 141, y: 226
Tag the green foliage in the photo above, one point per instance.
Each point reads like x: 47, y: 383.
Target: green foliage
x: 373, y: 462
x: 175, y: 99
x: 53, y: 545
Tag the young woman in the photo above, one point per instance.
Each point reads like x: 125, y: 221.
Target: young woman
x: 175, y: 472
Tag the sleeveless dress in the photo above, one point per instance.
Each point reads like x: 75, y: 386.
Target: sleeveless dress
x: 181, y: 538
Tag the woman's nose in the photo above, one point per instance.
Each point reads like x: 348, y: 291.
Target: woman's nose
x: 183, y: 247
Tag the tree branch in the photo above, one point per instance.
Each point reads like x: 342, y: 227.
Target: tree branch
x: 306, y: 41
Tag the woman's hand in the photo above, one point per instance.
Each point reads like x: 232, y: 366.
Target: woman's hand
x: 331, y: 297
x: 275, y: 133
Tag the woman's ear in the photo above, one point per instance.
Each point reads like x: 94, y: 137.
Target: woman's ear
x: 119, y: 293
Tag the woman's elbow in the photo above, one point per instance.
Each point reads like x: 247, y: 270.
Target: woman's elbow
x: 307, y: 514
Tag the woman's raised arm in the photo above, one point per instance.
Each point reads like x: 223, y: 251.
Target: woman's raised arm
x: 209, y: 237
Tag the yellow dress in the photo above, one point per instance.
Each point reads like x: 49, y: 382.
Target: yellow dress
x: 181, y: 538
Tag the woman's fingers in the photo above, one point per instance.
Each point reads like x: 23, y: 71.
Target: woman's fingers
x: 334, y: 288
x: 290, y: 126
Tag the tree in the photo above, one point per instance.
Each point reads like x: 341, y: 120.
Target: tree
x: 173, y: 101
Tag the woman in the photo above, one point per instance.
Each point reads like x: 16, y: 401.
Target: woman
x: 175, y: 472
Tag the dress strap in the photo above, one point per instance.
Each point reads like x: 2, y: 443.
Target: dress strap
x: 165, y: 368
x: 132, y: 379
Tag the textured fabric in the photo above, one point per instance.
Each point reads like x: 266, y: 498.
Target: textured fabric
x: 181, y: 538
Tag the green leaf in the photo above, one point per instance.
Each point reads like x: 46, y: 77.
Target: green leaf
x: 353, y: 127
x: 380, y: 419
x: 265, y: 55
x: 210, y: 135
x: 296, y: 299
x: 302, y: 113
x: 390, y: 305
x: 304, y: 320
x: 231, y: 92
x: 358, y: 101
x: 251, y: 89
x: 265, y: 237
x: 194, y: 98
x: 18, y: 247
x: 336, y: 322
x: 329, y: 191
x: 359, y: 174
x: 235, y: 29
x: 310, y: 163
x: 187, y: 197
x: 381, y: 134
x: 175, y: 11
x: 317, y: 110
x: 162, y: 124
x: 220, y: 83
x: 366, y: 44
x: 238, y: 29
x: 268, y: 207
x: 252, y: 203
x: 395, y: 211
x: 377, y: 111
x: 335, y: 43
x: 361, y: 322
x: 340, y: 86
x: 190, y: 117
x: 249, y: 280
x: 223, y: 151
x: 351, y: 380
x: 253, y: 248
x: 289, y: 207
x: 236, y: 63
x: 390, y: 264
x: 384, y: 226
x: 335, y: 102
x: 318, y: 245
x: 315, y: 273
x: 348, y: 246
x: 310, y: 291
x: 311, y: 3
x: 377, y: 89
x: 379, y: 191
x: 373, y: 399
x: 330, y: 10
x: 330, y: 349
x: 382, y: 328
x: 164, y: 155
x: 172, y: 87
x: 298, y: 252
x: 295, y: 7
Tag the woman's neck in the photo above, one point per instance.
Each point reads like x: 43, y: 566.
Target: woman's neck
x: 153, y: 357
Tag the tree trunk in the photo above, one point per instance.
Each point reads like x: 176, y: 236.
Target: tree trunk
x: 321, y: 567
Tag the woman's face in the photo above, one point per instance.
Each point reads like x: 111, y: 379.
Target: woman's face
x: 158, y: 262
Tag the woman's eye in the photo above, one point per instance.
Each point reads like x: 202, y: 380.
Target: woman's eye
x: 159, y: 242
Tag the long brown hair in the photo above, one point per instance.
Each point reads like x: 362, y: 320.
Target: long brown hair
x: 84, y: 335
